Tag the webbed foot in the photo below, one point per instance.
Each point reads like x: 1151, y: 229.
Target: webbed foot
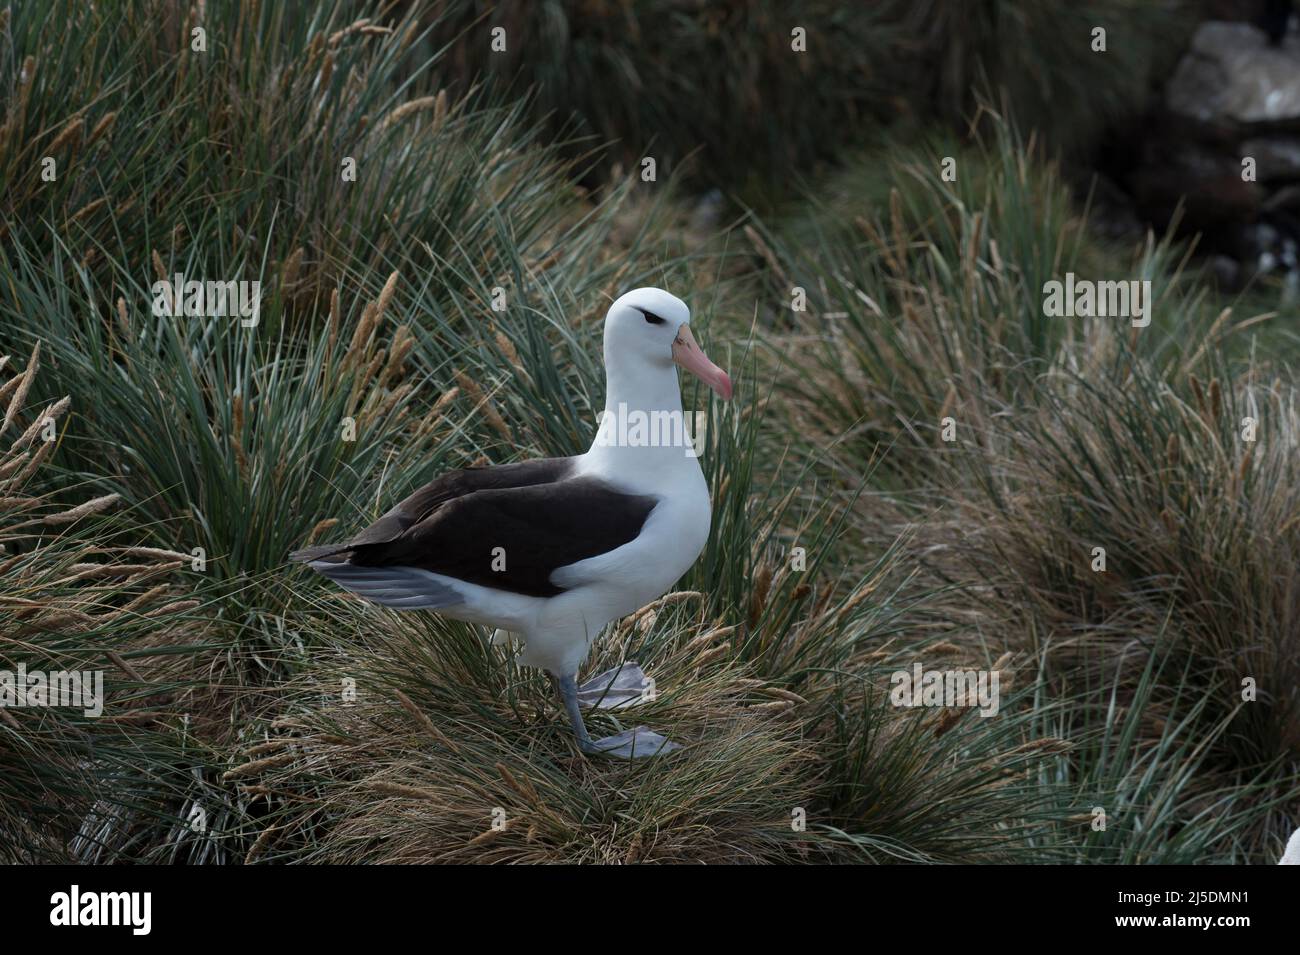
x: 631, y: 744
x: 624, y: 685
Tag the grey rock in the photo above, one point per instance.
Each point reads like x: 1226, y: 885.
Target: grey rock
x: 1231, y: 72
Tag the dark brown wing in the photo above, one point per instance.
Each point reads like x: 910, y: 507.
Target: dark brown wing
x: 515, y: 538
x: 508, y: 527
x: 458, y: 484
x: 448, y: 487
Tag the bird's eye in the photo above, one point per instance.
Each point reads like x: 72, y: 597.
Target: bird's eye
x: 651, y: 317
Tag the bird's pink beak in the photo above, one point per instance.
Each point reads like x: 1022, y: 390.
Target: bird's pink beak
x: 691, y: 357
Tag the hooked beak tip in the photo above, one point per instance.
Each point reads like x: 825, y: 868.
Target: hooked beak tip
x: 723, y: 387
x: 690, y: 356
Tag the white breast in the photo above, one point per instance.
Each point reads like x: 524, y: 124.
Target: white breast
x: 672, y: 538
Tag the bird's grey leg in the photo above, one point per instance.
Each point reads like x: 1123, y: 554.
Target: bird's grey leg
x: 568, y: 688
x: 629, y: 744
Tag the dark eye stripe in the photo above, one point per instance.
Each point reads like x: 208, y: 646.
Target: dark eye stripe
x: 651, y: 317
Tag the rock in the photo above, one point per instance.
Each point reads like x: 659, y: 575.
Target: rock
x: 1232, y: 72
x: 1277, y: 159
x: 1234, y: 94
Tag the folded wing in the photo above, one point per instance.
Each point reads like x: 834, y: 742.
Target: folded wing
x: 506, y: 529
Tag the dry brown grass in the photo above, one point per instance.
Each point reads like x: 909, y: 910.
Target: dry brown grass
x: 443, y: 742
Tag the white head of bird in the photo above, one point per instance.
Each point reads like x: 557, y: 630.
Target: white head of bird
x: 647, y: 331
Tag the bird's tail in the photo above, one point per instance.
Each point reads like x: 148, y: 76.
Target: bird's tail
x: 320, y: 552
x: 403, y: 588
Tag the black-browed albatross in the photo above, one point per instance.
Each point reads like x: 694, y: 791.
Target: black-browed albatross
x: 552, y: 550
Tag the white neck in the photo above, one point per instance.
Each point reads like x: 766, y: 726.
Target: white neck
x: 640, y: 385
x: 637, y: 391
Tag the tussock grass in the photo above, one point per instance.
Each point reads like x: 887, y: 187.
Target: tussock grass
x: 1172, y: 446
x: 453, y: 733
x: 1200, y: 540
x: 1041, y: 56
x: 238, y: 153
x: 923, y: 298
x: 713, y: 93
x: 1141, y: 777
x: 718, y: 92
x: 80, y: 596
